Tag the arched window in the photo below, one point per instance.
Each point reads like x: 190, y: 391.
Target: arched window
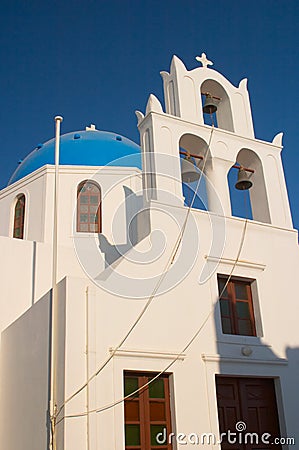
x: 89, y: 207
x: 19, y: 215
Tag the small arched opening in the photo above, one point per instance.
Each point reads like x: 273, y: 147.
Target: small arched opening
x: 251, y: 203
x: 89, y: 210
x: 222, y: 118
x: 19, y: 217
x: 193, y: 151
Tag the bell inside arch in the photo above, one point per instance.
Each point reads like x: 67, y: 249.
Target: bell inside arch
x: 189, y: 171
x: 243, y: 183
x: 210, y: 105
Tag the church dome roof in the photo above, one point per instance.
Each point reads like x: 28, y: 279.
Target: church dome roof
x: 82, y: 148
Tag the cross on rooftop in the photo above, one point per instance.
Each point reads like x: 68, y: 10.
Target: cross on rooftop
x: 204, y: 60
x: 91, y: 128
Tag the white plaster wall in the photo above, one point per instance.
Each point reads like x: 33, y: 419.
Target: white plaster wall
x: 16, y: 290
x: 24, y: 375
x: 170, y: 322
x: 167, y: 326
x: 26, y: 274
x: 224, y: 148
x: 34, y: 188
x: 39, y: 191
x: 112, y: 181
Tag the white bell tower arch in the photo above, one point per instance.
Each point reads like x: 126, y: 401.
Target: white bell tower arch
x: 231, y: 141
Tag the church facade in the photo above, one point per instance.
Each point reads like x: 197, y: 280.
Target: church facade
x: 138, y: 311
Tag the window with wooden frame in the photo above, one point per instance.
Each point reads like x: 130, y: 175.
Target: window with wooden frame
x: 147, y: 412
x: 236, y: 306
x: 89, y: 218
x: 19, y: 217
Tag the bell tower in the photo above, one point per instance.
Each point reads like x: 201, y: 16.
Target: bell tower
x: 226, y: 143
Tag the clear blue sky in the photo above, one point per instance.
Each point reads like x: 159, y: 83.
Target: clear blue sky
x: 97, y: 62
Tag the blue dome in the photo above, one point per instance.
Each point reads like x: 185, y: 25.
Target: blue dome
x: 82, y: 148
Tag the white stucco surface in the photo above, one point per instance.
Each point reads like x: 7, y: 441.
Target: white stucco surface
x: 106, y: 280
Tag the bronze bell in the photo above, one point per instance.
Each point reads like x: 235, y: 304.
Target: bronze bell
x: 243, y: 183
x: 189, y: 172
x: 210, y: 105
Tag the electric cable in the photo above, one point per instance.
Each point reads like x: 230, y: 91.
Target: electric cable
x: 152, y: 296
x: 189, y: 343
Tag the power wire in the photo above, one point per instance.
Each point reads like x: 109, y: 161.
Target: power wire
x: 190, y: 342
x: 152, y: 296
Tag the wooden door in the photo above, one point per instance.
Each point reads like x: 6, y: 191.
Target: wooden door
x: 252, y: 401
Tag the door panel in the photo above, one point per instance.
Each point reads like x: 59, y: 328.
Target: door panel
x: 252, y: 401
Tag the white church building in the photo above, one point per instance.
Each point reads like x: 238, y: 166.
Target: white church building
x: 138, y: 312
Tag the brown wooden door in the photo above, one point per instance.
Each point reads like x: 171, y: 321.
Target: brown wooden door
x: 252, y: 401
